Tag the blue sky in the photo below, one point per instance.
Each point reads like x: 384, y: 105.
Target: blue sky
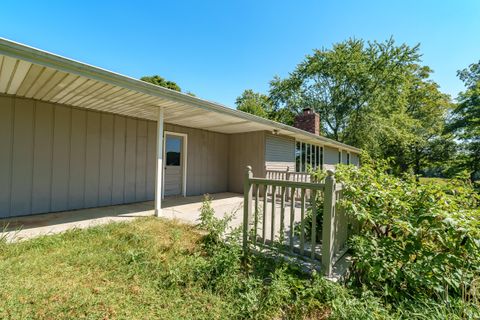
x: 216, y: 49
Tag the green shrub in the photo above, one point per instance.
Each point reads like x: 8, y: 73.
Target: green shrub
x: 266, y: 287
x: 417, y: 241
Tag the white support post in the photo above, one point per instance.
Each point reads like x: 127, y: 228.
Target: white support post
x: 159, y: 171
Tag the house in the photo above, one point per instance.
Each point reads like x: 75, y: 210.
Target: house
x: 76, y: 136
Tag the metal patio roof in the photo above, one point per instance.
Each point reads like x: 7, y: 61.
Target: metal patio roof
x: 33, y: 73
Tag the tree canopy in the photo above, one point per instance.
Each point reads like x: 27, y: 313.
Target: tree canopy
x: 373, y: 95
x: 261, y: 105
x: 465, y: 121
x: 254, y: 103
x: 159, y: 81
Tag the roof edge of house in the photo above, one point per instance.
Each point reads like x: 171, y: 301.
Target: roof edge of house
x: 48, y: 59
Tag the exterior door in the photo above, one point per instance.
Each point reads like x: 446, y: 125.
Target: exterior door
x: 174, y: 165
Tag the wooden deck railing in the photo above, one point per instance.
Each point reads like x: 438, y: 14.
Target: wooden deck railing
x: 288, y: 176
x: 275, y: 217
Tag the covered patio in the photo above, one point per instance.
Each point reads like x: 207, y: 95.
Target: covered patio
x: 183, y: 209
x: 75, y: 136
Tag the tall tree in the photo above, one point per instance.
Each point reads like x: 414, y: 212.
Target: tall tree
x: 254, y: 103
x: 159, y: 81
x: 421, y: 142
x: 261, y: 105
x: 373, y: 95
x: 466, y: 118
x: 345, y: 83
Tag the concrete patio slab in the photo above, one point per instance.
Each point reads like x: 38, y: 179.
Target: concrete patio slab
x: 185, y: 209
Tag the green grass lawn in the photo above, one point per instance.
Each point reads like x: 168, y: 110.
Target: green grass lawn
x: 158, y: 269
x: 106, y: 272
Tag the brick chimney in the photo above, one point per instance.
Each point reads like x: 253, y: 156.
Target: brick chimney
x: 308, y: 120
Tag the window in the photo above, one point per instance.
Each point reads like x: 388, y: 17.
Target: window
x: 304, y: 157
x: 173, y: 147
x: 298, y: 156
x: 321, y: 157
x: 308, y: 162
x: 339, y: 156
x: 348, y: 158
x: 308, y: 155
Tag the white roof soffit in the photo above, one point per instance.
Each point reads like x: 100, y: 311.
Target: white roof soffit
x: 32, y: 73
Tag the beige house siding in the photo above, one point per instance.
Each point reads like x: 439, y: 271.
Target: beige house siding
x: 279, y: 153
x: 355, y: 159
x: 207, y: 160
x: 56, y: 158
x: 344, y: 157
x: 245, y: 149
x: 330, y: 158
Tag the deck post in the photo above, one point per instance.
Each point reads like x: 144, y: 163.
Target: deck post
x: 159, y: 166
x: 328, y: 232
x: 247, y: 206
x: 287, y: 177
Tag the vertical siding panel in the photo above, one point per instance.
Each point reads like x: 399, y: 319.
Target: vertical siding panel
x: 106, y: 158
x: 6, y: 136
x: 130, y: 159
x: 92, y: 159
x: 279, y: 153
x: 203, y: 163
x: 214, y: 162
x: 140, y: 189
x: 151, y: 159
x: 77, y: 159
x: 42, y: 164
x: 61, y: 158
x: 330, y: 158
x: 118, y: 160
x: 22, y: 171
x: 224, y: 163
x: 190, y: 165
x: 355, y: 160
x: 220, y: 163
x: 344, y: 157
x: 199, y: 163
x: 241, y: 155
x: 209, y: 156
